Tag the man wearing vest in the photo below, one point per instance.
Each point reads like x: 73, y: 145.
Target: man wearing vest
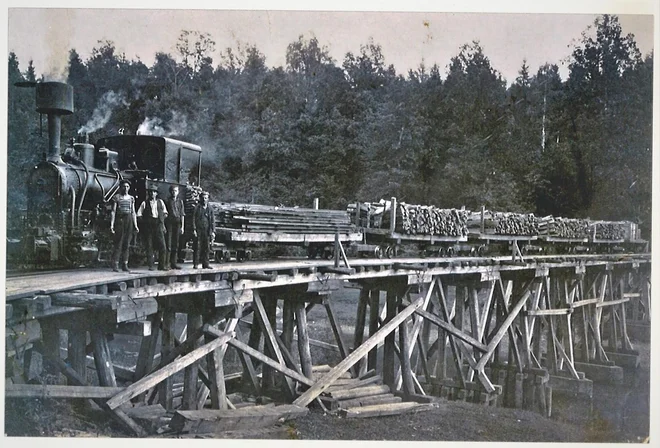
x: 203, y: 231
x: 174, y: 223
x: 153, y: 214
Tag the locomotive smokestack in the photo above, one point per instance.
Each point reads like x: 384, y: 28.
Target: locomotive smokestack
x: 54, y: 99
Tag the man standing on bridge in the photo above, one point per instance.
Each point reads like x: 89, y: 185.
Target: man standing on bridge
x: 153, y: 214
x: 203, y: 231
x: 123, y: 214
x: 174, y: 223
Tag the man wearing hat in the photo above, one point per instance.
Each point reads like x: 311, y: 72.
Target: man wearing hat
x: 203, y: 231
x: 123, y: 216
x: 153, y: 214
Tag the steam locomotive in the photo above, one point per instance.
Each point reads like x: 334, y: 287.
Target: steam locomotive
x: 69, y: 192
x: 69, y: 197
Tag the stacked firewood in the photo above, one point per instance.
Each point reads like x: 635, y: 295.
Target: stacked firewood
x: 610, y: 230
x: 269, y: 219
x: 430, y: 220
x: 504, y: 223
x: 564, y: 227
x: 191, y: 198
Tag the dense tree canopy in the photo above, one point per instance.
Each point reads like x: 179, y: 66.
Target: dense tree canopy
x: 357, y: 130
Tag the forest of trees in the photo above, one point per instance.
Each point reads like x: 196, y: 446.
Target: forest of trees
x: 356, y: 130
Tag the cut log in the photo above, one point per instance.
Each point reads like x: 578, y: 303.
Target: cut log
x: 217, y: 421
x: 368, y: 401
x: 379, y: 410
x: 360, y: 392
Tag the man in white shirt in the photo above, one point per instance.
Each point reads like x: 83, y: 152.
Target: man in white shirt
x: 153, y: 213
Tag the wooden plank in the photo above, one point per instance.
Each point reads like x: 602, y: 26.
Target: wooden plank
x: 357, y: 354
x: 370, y: 400
x: 85, y: 300
x: 218, y: 421
x: 449, y: 328
x: 379, y: 410
x: 265, y: 359
x: 136, y: 309
x: 549, y: 312
x: 58, y: 391
x: 156, y: 377
x: 360, y: 392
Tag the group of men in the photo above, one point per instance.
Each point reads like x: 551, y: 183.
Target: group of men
x: 161, y: 225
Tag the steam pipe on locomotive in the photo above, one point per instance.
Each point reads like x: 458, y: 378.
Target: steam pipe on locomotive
x: 69, y: 193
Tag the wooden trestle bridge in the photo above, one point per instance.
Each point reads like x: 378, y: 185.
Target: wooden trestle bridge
x: 495, y: 331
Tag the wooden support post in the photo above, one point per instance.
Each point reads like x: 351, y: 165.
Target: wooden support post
x: 254, y: 341
x: 390, y: 339
x: 406, y: 371
x: 50, y: 335
x: 336, y: 329
x: 269, y: 337
x: 374, y: 312
x: 249, y: 372
x: 361, y: 320
x: 102, y: 358
x: 268, y: 374
x: 214, y: 361
x: 287, y: 323
x: 77, y: 355
x: 168, y: 337
x: 148, y: 348
x: 303, y: 340
x: 195, y: 324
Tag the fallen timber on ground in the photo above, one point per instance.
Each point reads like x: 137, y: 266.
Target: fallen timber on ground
x: 484, y: 330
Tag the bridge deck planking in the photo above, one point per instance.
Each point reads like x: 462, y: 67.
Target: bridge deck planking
x: 52, y: 282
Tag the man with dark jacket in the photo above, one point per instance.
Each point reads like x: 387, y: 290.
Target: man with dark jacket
x: 153, y: 213
x: 203, y: 231
x: 174, y: 224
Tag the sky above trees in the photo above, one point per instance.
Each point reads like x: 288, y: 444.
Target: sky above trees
x: 407, y: 38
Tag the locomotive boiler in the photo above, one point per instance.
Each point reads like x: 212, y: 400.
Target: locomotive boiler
x: 69, y: 192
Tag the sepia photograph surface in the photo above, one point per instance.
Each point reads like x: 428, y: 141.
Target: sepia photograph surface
x: 314, y: 223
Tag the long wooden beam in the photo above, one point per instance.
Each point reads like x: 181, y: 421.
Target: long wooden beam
x: 261, y: 357
x: 326, y: 381
x: 156, y: 377
x: 59, y: 391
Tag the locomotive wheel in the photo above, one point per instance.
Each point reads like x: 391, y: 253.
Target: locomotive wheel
x: 481, y: 251
x: 378, y: 252
x: 442, y: 253
x: 226, y: 256
x: 328, y: 254
x: 450, y: 251
x: 390, y: 252
x: 248, y: 255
